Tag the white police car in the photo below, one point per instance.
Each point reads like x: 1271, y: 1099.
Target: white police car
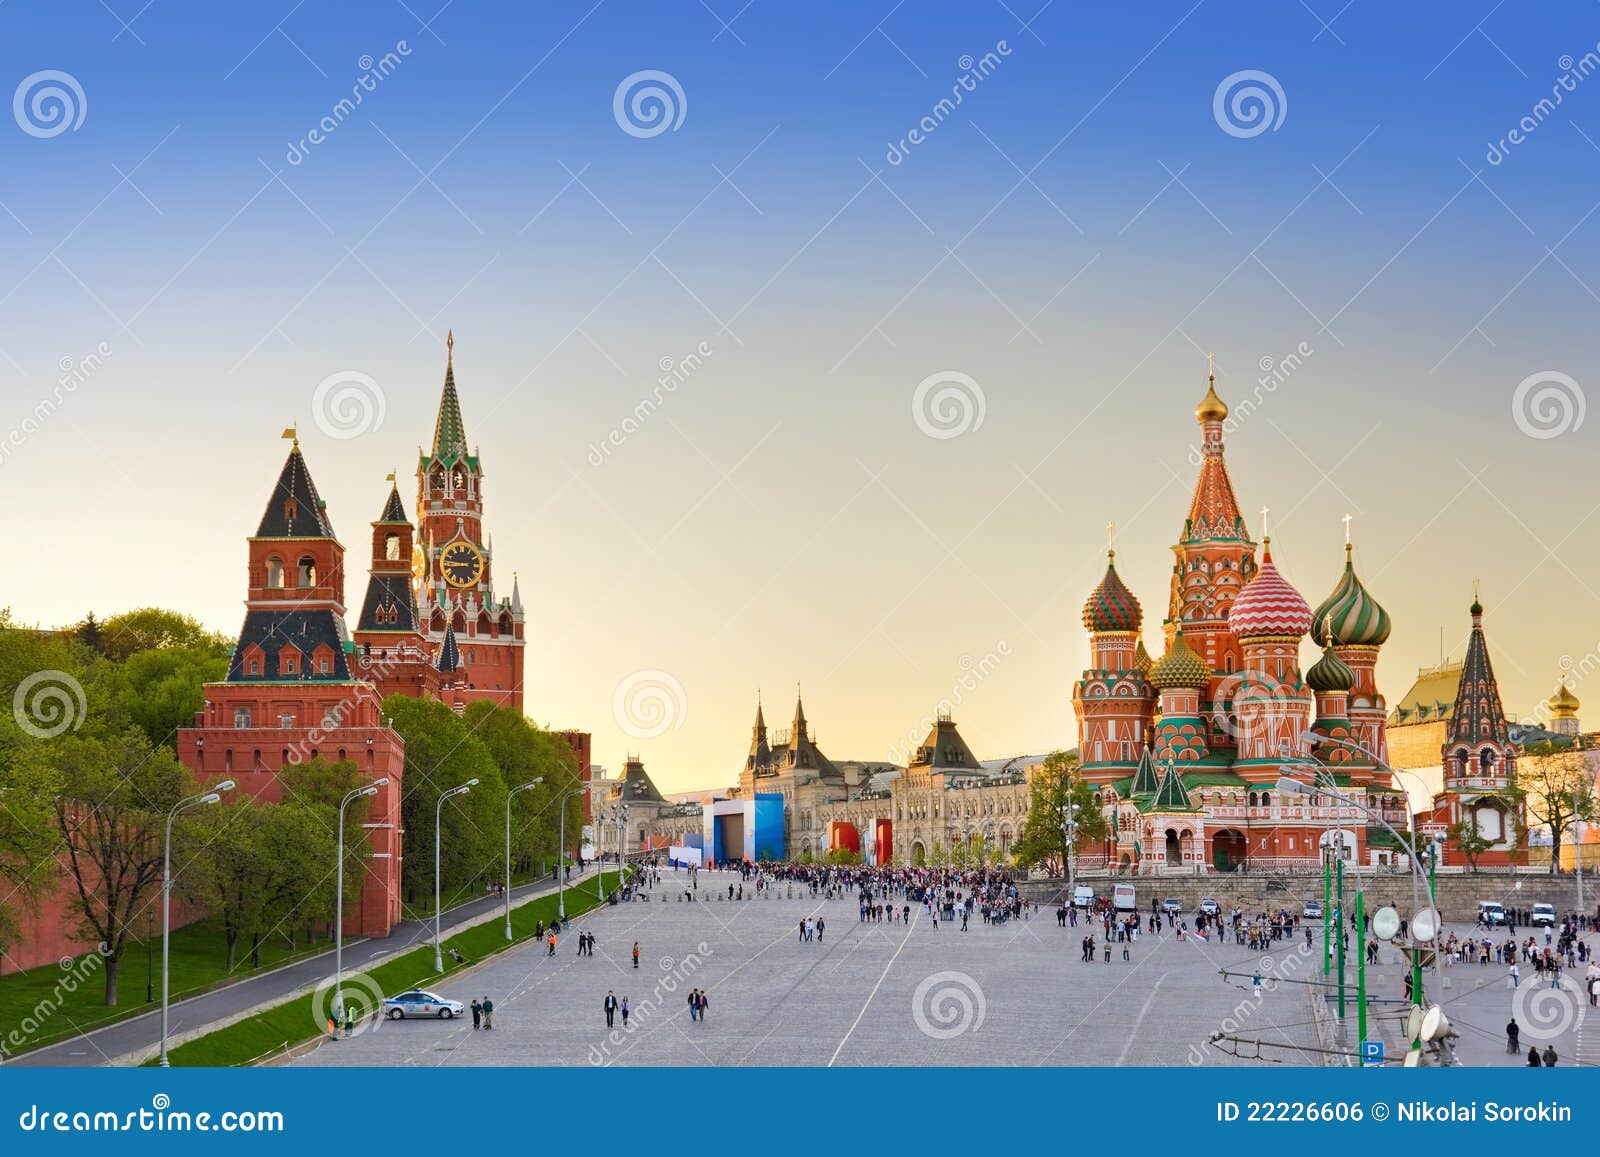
x: 419, y: 1003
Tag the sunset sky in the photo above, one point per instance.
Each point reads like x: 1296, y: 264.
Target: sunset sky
x: 1062, y: 249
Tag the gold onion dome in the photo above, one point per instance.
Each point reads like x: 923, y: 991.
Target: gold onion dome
x: 1330, y: 674
x: 1352, y: 615
x: 1211, y: 407
x: 1179, y: 667
x: 1111, y: 606
x: 1564, y: 702
x: 1141, y: 658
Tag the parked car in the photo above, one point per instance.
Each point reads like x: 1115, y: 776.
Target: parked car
x: 1210, y: 907
x: 419, y: 1003
x: 1172, y: 907
x: 1312, y: 910
x: 1543, y: 915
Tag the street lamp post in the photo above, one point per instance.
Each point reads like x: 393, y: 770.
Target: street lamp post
x: 1069, y: 825
x: 520, y: 787
x: 210, y: 796
x: 354, y: 793
x: 438, y: 811
x: 561, y: 855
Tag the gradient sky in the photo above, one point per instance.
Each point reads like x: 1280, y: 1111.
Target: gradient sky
x: 1074, y: 238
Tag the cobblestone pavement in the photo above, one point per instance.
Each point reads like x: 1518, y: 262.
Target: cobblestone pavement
x: 865, y: 994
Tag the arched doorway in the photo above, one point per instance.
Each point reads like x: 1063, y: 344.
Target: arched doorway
x: 1174, y: 848
x: 919, y: 855
x: 1229, y: 850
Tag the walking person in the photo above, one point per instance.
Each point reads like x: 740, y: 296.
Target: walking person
x: 488, y: 1013
x: 477, y: 1013
x: 350, y: 1019
x: 610, y: 1005
x: 636, y: 954
x: 1550, y: 1056
x: 1513, y: 1031
x: 820, y: 927
x: 702, y: 1002
x: 624, y: 1012
x: 694, y: 1004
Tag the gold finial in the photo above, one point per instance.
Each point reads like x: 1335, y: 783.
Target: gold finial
x: 1347, y: 520
x: 294, y: 433
x: 391, y: 476
x: 449, y: 341
x: 1211, y: 407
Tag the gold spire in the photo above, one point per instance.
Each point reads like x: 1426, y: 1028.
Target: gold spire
x: 294, y: 433
x: 1211, y: 407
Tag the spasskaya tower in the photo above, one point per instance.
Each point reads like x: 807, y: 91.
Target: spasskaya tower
x: 454, y: 562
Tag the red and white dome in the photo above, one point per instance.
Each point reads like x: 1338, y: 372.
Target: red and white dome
x: 1268, y: 605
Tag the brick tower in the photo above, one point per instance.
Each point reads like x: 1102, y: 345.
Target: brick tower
x: 292, y: 694
x: 456, y: 562
x: 391, y: 648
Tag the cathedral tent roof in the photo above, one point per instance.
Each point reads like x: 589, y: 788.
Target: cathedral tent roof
x: 295, y: 509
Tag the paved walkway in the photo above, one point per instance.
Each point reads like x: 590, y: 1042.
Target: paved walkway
x: 107, y: 1045
x: 865, y: 994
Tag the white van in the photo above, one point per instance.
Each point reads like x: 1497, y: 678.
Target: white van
x: 1491, y: 913
x: 1543, y: 916
x: 1083, y: 896
x: 1122, y: 898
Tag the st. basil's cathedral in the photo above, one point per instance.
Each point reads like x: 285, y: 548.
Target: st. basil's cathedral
x: 1187, y: 749
x: 301, y: 684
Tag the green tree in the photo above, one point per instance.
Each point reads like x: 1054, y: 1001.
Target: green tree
x: 1057, y: 785
x: 1469, y: 841
x: 1558, y: 791
x: 161, y: 690
x: 111, y: 814
x: 151, y: 629
x: 28, y: 840
x: 522, y: 753
x: 442, y: 753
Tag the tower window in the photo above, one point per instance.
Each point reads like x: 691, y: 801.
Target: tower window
x: 391, y: 547
x: 241, y: 716
x: 308, y: 571
x: 286, y: 719
x: 275, y: 573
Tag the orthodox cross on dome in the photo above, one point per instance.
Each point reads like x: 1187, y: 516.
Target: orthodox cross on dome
x: 1211, y: 366
x: 1111, y: 539
x: 1266, y: 535
x: 1347, y: 520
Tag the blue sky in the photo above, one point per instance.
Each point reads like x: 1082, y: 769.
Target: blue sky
x: 1074, y: 237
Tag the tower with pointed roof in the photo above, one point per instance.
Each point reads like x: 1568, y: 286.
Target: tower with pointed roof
x: 295, y: 688
x: 1113, y: 699
x: 456, y: 563
x: 1359, y: 627
x: 392, y: 647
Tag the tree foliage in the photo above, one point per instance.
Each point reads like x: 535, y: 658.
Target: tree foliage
x: 1056, y: 786
x: 1558, y: 790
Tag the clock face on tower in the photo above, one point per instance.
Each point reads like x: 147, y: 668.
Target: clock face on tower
x: 461, y: 565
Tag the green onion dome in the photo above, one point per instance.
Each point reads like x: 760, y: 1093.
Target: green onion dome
x: 1112, y: 607
x: 1330, y: 673
x: 1353, y: 616
x: 1179, y: 667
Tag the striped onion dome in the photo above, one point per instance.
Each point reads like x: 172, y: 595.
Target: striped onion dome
x: 1179, y: 667
x: 1330, y: 673
x: 1351, y: 614
x: 1112, y: 606
x: 1269, y: 606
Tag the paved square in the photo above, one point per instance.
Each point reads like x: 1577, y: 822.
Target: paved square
x: 866, y: 994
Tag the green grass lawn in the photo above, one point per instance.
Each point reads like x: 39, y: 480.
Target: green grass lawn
x: 47, y: 1004
x: 298, y: 1020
